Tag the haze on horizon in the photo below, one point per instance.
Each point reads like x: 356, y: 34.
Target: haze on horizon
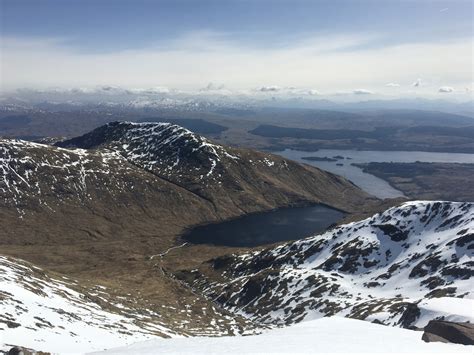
x: 360, y: 48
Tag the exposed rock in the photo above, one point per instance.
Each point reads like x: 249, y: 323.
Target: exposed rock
x: 449, y: 332
x: 19, y: 350
x: 429, y: 338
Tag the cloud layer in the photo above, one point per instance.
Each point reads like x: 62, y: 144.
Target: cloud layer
x: 317, y: 64
x: 445, y: 89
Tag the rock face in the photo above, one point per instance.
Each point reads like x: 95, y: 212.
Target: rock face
x: 403, y: 267
x: 449, y: 332
x: 19, y: 350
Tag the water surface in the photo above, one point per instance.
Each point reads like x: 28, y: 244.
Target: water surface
x: 368, y: 182
x: 265, y: 228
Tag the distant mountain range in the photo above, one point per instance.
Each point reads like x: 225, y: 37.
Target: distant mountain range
x: 123, y: 101
x: 271, y: 128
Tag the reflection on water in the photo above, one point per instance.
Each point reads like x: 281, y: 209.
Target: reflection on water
x: 370, y: 183
x: 265, y: 228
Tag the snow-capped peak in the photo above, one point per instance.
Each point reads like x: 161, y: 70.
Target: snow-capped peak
x: 163, y: 148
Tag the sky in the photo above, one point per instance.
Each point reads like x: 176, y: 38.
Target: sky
x: 334, y: 47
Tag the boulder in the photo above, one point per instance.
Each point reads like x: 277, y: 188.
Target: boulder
x: 449, y: 332
x: 19, y: 350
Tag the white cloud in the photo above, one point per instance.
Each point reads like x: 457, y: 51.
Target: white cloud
x: 191, y: 60
x: 362, y: 92
x: 272, y: 88
x: 446, y: 89
x: 109, y: 90
x: 392, y: 85
x: 417, y: 83
x: 313, y: 92
x: 82, y: 91
x: 213, y: 87
x: 444, y: 9
x: 157, y: 90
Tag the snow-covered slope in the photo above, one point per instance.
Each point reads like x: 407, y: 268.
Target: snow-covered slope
x: 326, y: 335
x: 50, y: 314
x: 402, y: 267
x: 167, y: 149
x: 30, y: 173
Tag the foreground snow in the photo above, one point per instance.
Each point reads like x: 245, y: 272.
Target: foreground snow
x: 46, y: 314
x: 325, y: 335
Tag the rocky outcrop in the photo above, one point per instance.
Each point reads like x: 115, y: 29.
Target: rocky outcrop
x: 20, y: 350
x: 449, y: 332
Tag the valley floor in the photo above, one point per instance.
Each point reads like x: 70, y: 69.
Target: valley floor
x: 325, y: 335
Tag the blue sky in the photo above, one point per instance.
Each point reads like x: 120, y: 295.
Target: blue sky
x: 121, y: 24
x: 70, y: 36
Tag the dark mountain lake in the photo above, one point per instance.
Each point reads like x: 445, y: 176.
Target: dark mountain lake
x: 266, y: 228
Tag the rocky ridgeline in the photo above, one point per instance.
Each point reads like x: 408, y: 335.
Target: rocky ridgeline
x: 403, y: 267
x: 31, y: 171
x: 168, y: 150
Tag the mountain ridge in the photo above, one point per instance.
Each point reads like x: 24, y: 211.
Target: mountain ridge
x: 203, y: 167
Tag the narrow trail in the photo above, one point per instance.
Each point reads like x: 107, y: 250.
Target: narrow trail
x: 167, y: 251
x: 168, y: 274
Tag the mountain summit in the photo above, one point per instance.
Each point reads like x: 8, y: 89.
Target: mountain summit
x: 166, y: 149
